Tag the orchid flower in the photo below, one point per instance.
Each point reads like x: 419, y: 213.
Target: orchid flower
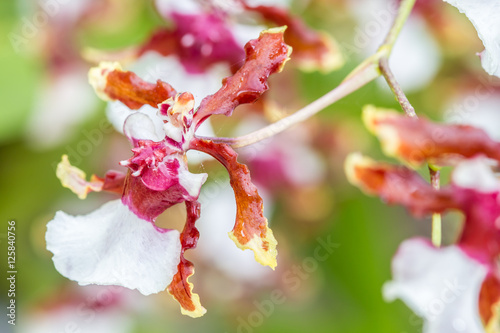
x: 119, y: 243
x: 211, y: 32
x: 455, y: 288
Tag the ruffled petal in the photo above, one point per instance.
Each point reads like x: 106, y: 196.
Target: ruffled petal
x: 417, y: 141
x: 180, y: 288
x: 264, y: 56
x: 73, y: 178
x: 440, y: 285
x: 112, y: 83
x: 312, y: 50
x: 112, y: 246
x: 250, y: 230
x: 484, y: 16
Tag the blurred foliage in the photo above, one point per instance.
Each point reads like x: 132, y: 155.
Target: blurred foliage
x: 342, y: 295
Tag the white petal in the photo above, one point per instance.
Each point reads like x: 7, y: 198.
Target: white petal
x: 165, y: 7
x: 480, y: 108
x: 485, y: 16
x: 440, y: 285
x: 476, y: 174
x: 117, y: 113
x: 142, y: 127
x: 191, y: 182
x: 112, y: 246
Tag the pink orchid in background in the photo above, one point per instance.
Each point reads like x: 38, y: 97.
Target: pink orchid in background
x: 455, y: 288
x: 206, y: 43
x: 119, y: 243
x: 207, y: 32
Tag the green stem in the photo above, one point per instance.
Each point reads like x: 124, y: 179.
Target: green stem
x: 436, y: 217
x: 367, y: 71
x: 404, y: 11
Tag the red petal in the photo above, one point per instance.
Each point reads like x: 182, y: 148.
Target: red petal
x: 417, y: 141
x: 311, y: 49
x: 147, y: 203
x: 264, y: 56
x: 397, y: 185
x: 112, y: 83
x: 250, y: 230
x: 480, y: 237
x: 180, y: 288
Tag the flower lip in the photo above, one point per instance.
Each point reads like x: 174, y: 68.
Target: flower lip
x: 112, y: 246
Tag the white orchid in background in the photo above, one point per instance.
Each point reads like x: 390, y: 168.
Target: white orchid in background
x: 455, y: 288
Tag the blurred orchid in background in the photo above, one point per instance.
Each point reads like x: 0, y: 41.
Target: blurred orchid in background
x: 167, y: 71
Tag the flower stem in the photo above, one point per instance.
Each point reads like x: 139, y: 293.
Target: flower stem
x: 367, y: 71
x: 396, y: 88
x: 404, y: 11
x: 436, y: 217
x: 349, y: 85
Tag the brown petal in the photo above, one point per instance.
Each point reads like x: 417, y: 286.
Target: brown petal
x: 111, y: 83
x: 250, y: 230
x: 264, y: 56
x: 489, y: 298
x: 311, y: 49
x: 180, y: 288
x: 417, y: 141
x: 397, y: 185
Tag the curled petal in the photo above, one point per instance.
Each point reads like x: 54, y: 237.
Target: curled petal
x: 250, y: 230
x: 112, y: 83
x: 397, y: 185
x: 180, y: 288
x: 264, y: 56
x: 440, y: 285
x: 416, y: 141
x: 73, y: 178
x: 484, y: 16
x: 112, y: 246
x: 311, y: 49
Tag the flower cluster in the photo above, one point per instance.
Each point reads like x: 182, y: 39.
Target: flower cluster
x: 455, y: 288
x: 119, y: 242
